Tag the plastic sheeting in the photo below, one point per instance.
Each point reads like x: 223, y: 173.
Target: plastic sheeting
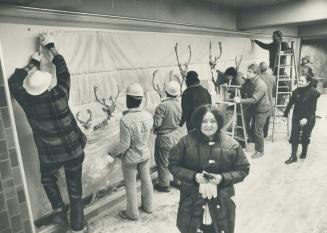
x: 111, y: 59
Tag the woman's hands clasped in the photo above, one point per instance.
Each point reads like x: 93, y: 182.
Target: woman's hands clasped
x: 205, y: 177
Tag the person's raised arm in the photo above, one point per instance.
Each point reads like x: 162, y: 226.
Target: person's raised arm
x: 262, y: 45
x: 16, y: 80
x: 63, y: 76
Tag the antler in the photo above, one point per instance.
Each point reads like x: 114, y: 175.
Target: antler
x: 101, y: 101
x: 213, y: 64
x: 86, y: 124
x: 183, y: 68
x: 238, y: 62
x: 109, y: 109
x: 156, y: 87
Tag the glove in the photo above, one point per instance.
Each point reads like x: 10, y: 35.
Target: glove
x: 36, y: 59
x: 208, y: 190
x: 47, y: 40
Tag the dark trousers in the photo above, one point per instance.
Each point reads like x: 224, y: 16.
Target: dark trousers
x: 266, y: 127
x: 259, y: 122
x: 73, y: 174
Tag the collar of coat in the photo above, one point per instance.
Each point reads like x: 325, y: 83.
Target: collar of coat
x: 204, y: 139
x: 138, y: 109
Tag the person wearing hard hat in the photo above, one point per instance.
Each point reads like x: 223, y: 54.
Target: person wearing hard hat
x: 166, y: 121
x: 135, y: 127
x: 59, y: 140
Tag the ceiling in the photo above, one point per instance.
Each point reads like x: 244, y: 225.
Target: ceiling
x: 243, y: 4
x: 78, y: 4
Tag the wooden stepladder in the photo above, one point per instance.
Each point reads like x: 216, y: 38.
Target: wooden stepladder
x: 236, y: 124
x: 286, y: 81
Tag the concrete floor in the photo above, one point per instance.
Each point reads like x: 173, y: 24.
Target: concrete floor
x: 274, y: 198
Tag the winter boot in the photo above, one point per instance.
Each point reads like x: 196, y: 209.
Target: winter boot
x: 304, y: 151
x: 293, y: 157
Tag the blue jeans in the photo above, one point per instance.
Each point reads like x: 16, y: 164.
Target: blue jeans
x: 130, y: 172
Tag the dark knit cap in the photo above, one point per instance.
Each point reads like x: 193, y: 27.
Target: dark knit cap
x: 192, y: 78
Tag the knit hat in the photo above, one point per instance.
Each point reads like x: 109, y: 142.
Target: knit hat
x: 192, y: 78
x: 37, y: 83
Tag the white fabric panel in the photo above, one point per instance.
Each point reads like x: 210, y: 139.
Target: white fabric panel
x: 108, y: 59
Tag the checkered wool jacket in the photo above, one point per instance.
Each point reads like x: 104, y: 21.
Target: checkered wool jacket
x: 56, y: 133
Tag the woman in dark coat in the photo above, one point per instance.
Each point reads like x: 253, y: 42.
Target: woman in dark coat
x: 304, y: 98
x: 207, y: 149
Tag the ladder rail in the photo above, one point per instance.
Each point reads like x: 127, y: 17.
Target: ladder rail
x: 235, y: 119
x: 287, y: 89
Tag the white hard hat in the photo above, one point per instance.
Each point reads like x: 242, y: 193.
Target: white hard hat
x: 173, y: 88
x: 37, y: 83
x: 135, y: 89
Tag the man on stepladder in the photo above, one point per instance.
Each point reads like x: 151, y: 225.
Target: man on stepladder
x: 59, y: 140
x: 273, y: 50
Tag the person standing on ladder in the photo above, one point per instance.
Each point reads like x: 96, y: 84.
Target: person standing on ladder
x: 304, y: 98
x: 273, y: 50
x: 263, y: 107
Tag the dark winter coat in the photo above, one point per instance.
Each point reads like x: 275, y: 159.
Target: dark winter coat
x: 193, y: 97
x: 273, y: 50
x: 56, y: 133
x: 304, y: 100
x: 191, y: 155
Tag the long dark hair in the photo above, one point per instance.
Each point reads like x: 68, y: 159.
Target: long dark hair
x: 198, y: 114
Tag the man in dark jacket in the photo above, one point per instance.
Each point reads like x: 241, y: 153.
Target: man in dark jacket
x: 273, y: 50
x: 262, y: 106
x: 59, y: 140
x: 194, y: 96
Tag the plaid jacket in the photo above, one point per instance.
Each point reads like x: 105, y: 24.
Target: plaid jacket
x: 56, y: 133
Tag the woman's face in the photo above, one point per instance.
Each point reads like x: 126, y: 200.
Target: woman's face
x: 250, y: 74
x: 209, y: 124
x: 303, y: 82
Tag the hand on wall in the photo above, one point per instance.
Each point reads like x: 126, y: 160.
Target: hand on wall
x: 47, y: 40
